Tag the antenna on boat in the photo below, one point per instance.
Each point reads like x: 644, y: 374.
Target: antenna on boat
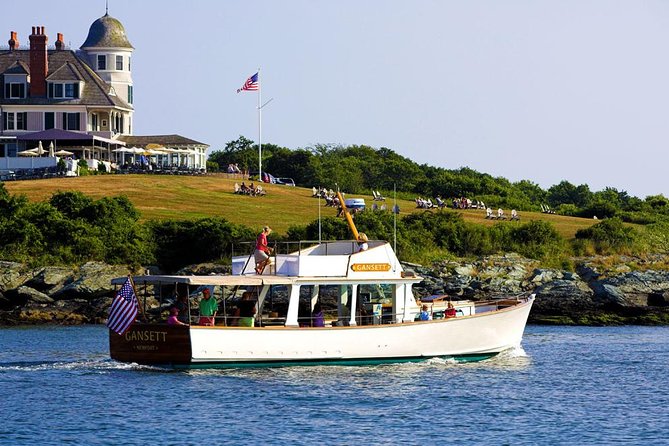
x: 395, y: 219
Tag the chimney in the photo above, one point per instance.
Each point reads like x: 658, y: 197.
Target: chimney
x: 13, y: 41
x: 60, y: 45
x: 39, y: 65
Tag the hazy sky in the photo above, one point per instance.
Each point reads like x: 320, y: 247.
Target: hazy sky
x: 538, y: 90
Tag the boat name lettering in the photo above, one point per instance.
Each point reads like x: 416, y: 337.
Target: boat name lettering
x: 146, y: 335
x: 363, y: 267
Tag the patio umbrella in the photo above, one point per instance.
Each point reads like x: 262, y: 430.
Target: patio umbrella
x: 63, y: 153
x: 155, y: 146
x: 31, y: 152
x: 51, y: 154
x: 39, y: 150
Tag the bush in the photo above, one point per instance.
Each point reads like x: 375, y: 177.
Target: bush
x: 610, y: 236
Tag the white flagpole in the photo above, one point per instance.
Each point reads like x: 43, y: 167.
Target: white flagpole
x: 259, y: 128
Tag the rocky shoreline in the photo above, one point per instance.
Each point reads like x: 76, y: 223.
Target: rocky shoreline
x: 593, y: 294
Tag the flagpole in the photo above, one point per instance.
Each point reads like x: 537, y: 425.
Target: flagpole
x: 134, y: 290
x: 259, y: 128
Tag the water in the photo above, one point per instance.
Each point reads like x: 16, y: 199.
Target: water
x: 568, y: 385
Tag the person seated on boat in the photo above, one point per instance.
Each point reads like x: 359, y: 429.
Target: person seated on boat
x: 183, y: 307
x: 317, y: 317
x: 247, y: 310
x: 425, y: 314
x: 208, y: 308
x: 262, y: 251
x: 173, y: 318
x: 450, y: 311
x: 362, y: 242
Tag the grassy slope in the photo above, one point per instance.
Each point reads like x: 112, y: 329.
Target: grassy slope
x: 186, y: 197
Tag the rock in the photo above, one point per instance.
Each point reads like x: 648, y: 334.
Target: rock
x: 540, y: 276
x: 563, y: 297
x: 51, y: 278
x: 204, y: 269
x: 93, y: 281
x: 32, y: 296
x: 465, y: 270
x: 13, y: 275
x: 609, y: 295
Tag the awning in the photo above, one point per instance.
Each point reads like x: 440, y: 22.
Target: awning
x: 65, y: 135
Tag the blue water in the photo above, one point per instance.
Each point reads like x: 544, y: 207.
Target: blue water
x: 567, y: 385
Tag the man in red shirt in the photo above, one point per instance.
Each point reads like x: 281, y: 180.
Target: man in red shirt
x: 262, y: 251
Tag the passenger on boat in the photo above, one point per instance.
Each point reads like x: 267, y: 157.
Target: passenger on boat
x: 262, y: 251
x: 182, y: 305
x: 247, y: 310
x: 318, y: 320
x: 450, y: 311
x: 362, y: 242
x: 208, y: 308
x: 425, y: 314
x: 173, y: 318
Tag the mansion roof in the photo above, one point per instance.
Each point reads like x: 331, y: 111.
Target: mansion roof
x: 63, y: 66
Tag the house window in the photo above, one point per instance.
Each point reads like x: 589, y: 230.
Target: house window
x: 130, y: 94
x: 49, y: 120
x: 119, y: 63
x: 15, y: 90
x: 15, y: 121
x: 102, y: 61
x: 71, y: 121
x: 64, y: 91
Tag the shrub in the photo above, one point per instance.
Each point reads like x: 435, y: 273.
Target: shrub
x: 610, y: 236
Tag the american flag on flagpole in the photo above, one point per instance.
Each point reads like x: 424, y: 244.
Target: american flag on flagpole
x: 123, y: 309
x: 251, y: 84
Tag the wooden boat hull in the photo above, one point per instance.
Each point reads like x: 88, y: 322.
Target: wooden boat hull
x: 475, y: 337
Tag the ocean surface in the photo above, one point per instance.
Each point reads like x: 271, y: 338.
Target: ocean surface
x: 567, y: 385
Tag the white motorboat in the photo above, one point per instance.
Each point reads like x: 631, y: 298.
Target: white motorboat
x: 372, y: 315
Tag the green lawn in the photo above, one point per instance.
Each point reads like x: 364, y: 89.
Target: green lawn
x: 187, y: 197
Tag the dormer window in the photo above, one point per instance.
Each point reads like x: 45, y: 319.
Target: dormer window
x: 15, y: 90
x: 64, y: 90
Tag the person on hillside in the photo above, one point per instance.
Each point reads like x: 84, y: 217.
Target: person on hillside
x: 208, y: 309
x: 262, y: 251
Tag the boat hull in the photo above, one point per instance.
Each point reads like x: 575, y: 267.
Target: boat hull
x: 475, y: 337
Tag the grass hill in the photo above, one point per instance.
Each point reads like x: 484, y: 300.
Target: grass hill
x: 184, y: 197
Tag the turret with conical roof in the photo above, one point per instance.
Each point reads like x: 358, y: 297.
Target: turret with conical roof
x: 108, y: 51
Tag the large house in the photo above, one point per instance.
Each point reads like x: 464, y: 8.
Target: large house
x: 77, y: 101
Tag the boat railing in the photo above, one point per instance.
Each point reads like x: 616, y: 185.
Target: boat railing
x: 292, y: 247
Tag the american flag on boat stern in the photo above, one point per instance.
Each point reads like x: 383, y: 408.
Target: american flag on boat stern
x: 123, y: 309
x: 251, y: 84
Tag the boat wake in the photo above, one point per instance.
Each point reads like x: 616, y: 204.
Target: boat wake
x: 102, y: 365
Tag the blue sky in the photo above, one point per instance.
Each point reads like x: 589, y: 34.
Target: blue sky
x: 538, y: 90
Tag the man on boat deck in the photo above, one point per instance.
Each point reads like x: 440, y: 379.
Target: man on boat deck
x: 262, y: 251
x: 208, y: 308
